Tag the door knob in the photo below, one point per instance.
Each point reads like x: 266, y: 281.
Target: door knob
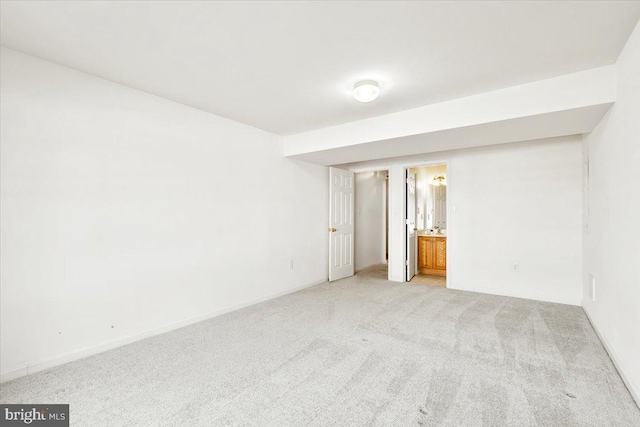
x: 333, y: 230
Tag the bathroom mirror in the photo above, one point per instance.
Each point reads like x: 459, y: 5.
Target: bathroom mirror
x: 438, y: 206
x: 431, y: 197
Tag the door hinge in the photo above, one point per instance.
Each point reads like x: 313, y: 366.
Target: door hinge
x: 407, y: 222
x: 406, y: 263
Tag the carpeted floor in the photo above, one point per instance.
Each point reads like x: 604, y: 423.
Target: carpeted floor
x: 361, y: 351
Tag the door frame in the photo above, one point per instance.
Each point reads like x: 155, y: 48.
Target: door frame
x: 408, y: 165
x: 407, y: 232
x: 382, y: 168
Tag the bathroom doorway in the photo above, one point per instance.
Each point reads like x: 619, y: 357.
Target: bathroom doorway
x: 426, y: 224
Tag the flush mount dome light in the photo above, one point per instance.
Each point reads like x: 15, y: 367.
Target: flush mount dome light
x: 366, y: 90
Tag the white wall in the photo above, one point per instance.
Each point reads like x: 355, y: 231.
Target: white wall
x: 612, y: 241
x: 519, y: 202
x: 370, y: 226
x: 124, y: 214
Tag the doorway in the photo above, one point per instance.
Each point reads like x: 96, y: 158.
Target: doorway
x: 426, y: 224
x: 371, y: 219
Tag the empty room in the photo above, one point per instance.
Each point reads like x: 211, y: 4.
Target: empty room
x: 320, y: 213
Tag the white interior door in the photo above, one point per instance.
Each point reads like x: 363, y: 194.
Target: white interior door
x: 341, y: 215
x: 410, y: 222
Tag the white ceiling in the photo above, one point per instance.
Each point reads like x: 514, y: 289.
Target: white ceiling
x: 287, y: 67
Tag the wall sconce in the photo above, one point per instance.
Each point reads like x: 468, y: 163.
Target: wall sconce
x: 440, y: 180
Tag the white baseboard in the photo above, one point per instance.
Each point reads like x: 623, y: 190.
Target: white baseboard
x: 525, y: 295
x: 627, y: 381
x: 51, y: 362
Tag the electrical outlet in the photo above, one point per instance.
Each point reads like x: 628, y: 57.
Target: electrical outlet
x: 290, y: 264
x: 515, y: 267
x: 593, y: 288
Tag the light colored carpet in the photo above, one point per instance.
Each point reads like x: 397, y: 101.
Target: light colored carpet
x: 361, y: 351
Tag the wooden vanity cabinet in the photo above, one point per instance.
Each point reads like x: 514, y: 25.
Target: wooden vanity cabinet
x: 432, y: 255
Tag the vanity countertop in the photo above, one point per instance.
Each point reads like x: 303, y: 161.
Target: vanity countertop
x: 431, y: 235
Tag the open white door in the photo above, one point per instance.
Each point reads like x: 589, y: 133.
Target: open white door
x: 411, y: 225
x: 340, y: 223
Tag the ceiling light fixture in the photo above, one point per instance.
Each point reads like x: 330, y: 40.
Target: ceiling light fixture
x: 366, y: 90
